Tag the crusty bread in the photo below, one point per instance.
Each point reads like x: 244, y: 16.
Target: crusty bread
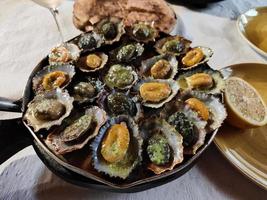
x: 88, y: 12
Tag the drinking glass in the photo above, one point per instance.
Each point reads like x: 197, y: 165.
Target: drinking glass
x: 52, y: 6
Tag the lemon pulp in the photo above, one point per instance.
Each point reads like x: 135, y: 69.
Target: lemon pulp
x: 246, y: 108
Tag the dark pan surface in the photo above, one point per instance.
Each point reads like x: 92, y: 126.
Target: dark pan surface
x: 66, y: 173
x: 82, y: 181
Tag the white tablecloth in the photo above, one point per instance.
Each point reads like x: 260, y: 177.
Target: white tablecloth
x: 27, y: 32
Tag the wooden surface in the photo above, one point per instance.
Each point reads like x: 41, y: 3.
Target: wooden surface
x: 27, y: 32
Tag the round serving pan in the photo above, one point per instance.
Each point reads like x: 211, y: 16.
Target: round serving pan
x: 16, y: 135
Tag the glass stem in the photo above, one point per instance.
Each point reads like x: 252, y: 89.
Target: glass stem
x: 54, y: 12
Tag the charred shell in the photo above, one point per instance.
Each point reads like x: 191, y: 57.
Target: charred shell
x: 75, y: 134
x: 173, y: 45
x: 155, y: 93
x: 111, y: 28
x: 52, y: 77
x: 159, y: 67
x: 90, y: 41
x: 163, y: 145
x: 120, y: 77
x: 48, y: 109
x: 195, y: 57
x: 203, y: 79
x: 92, y: 62
x: 64, y: 54
x: 143, y: 32
x: 87, y: 90
x: 118, y: 147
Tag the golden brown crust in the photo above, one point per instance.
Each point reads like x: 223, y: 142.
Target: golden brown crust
x: 88, y: 12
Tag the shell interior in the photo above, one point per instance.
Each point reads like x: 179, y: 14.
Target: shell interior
x: 55, y: 142
x: 123, y: 168
x: 82, y: 63
x: 119, y: 29
x: 143, y: 32
x: 58, y: 95
x: 180, y: 45
x: 90, y: 41
x: 112, y: 78
x: 207, y: 55
x: 145, y: 69
x: 133, y: 107
x: 38, y: 78
x: 174, y: 89
x: 216, y: 108
x: 201, y: 132
x: 218, y: 81
x: 82, y: 98
x: 73, y: 51
x: 178, y: 106
x: 174, y: 139
x: 127, y: 52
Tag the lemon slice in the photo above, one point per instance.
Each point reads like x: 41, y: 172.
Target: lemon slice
x: 245, y: 106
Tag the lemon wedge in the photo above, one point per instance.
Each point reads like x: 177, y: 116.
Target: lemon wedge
x: 245, y: 106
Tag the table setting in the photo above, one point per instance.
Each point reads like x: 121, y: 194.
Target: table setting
x: 109, y: 100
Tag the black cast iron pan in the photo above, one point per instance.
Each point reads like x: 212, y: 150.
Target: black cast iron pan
x: 16, y: 135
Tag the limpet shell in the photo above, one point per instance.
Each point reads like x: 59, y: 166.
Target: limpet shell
x: 90, y: 41
x: 218, y: 82
x: 129, y: 105
x: 131, y: 160
x: 190, y: 56
x: 64, y: 54
x: 143, y: 32
x: 147, y: 66
x: 174, y: 45
x: 126, y: 73
x: 60, y: 96
x: 177, y: 105
x: 119, y: 28
x: 97, y: 60
x: 127, y: 52
x: 55, y: 142
x: 175, y: 140
x: 37, y: 81
x: 174, y: 88
x: 81, y: 93
x: 216, y: 108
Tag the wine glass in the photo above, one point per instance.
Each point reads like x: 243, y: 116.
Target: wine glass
x: 52, y: 6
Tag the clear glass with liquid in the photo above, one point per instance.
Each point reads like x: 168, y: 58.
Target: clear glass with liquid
x: 52, y: 6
